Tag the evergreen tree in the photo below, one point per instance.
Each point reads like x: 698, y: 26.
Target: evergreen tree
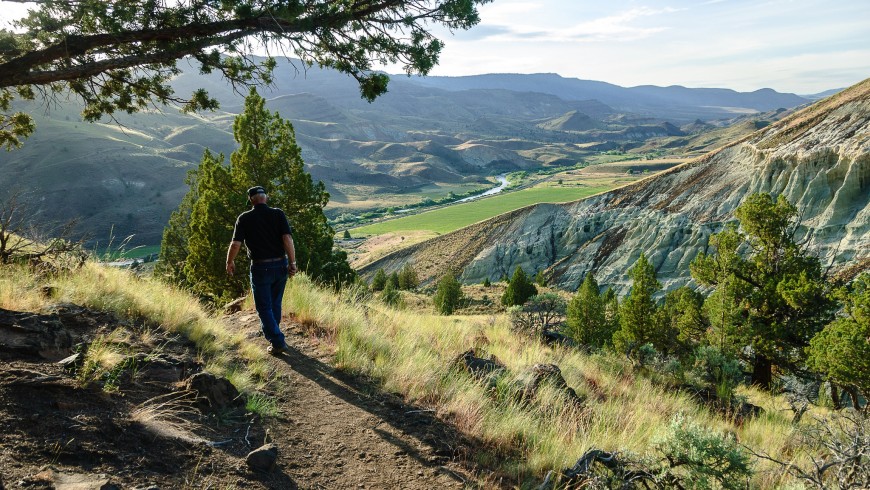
x: 519, y: 289
x: 390, y: 295
x: 407, y: 278
x: 586, y: 318
x: 540, y: 280
x: 448, y: 295
x: 683, y: 324
x: 842, y: 350
x: 346, y: 235
x: 638, y: 321
x: 393, y: 279
x: 173, y: 250
x: 379, y: 281
x: 775, y: 299
x: 486, y: 282
x: 201, y: 228
x: 209, y: 232
x: 611, y: 311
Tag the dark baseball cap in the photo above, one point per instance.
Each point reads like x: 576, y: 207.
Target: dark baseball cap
x: 253, y: 191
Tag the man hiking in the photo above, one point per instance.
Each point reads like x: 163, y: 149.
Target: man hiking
x: 266, y: 235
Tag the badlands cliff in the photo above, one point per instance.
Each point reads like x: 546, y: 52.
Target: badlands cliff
x: 818, y: 158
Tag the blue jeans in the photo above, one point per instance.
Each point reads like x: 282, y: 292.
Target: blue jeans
x: 267, y: 284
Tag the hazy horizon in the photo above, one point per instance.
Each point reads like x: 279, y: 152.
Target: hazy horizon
x: 798, y: 46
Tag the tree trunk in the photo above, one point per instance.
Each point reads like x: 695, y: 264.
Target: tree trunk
x: 853, y: 394
x: 762, y: 372
x: 835, y: 396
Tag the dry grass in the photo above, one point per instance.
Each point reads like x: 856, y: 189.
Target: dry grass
x: 146, y: 301
x: 411, y: 353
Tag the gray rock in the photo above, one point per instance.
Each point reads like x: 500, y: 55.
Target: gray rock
x: 263, y: 458
x: 31, y: 333
x: 76, y: 481
x: 212, y: 391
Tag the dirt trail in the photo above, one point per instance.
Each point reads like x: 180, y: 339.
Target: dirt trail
x: 336, y: 431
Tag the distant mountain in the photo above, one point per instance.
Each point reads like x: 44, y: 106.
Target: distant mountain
x: 818, y: 158
x: 822, y: 95
x: 675, y: 103
x: 369, y: 155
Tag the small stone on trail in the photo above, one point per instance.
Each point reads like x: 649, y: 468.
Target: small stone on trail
x: 75, y: 481
x: 263, y: 458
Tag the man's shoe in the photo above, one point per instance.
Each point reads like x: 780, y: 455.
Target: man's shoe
x: 276, y: 351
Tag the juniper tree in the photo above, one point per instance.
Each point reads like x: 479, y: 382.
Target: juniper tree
x: 638, y: 319
x: 194, y: 244
x: 519, y: 289
x: 774, y: 298
x: 119, y: 56
x: 408, y: 278
x: 586, y: 320
x: 379, y: 281
x: 448, y: 294
x: 842, y: 350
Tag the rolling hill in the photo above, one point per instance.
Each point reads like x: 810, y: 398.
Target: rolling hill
x: 124, y: 177
x: 818, y: 158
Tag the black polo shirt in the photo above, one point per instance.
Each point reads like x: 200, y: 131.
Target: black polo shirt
x: 262, y: 228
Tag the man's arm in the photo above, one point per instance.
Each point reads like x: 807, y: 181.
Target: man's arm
x: 287, y: 240
x: 231, y: 256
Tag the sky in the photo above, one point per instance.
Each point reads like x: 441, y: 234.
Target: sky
x: 799, y: 46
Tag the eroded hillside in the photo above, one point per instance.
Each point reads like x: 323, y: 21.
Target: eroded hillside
x: 818, y: 158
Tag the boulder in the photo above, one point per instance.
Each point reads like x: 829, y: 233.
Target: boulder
x: 34, y: 334
x: 549, y: 373
x: 478, y: 366
x: 263, y: 458
x: 212, y: 391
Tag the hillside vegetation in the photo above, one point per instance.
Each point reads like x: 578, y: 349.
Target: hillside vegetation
x: 621, y: 407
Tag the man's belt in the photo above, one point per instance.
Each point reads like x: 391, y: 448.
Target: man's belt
x: 266, y: 261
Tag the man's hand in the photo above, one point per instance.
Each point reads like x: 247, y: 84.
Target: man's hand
x: 231, y: 256
x: 292, y: 269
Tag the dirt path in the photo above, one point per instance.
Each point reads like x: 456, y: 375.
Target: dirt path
x: 335, y: 431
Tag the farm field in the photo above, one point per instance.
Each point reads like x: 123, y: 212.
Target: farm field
x: 452, y: 218
x: 565, y: 186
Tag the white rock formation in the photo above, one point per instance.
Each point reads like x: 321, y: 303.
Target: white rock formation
x: 818, y: 158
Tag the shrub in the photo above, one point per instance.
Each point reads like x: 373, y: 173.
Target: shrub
x: 390, y: 295
x: 379, y: 281
x: 695, y: 457
x: 449, y: 295
x: 519, y: 289
x: 408, y: 278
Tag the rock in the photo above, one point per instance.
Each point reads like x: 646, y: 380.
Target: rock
x: 234, y: 306
x: 477, y: 366
x: 550, y: 337
x: 549, y: 373
x: 212, y: 391
x: 75, y: 481
x: 35, y: 334
x: 263, y: 458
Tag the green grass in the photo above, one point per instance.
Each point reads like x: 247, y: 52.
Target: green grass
x: 452, y: 218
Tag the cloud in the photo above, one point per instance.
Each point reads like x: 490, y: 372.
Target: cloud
x: 619, y: 27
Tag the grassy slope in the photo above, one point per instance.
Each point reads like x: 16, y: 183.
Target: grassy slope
x: 451, y: 218
x: 411, y: 353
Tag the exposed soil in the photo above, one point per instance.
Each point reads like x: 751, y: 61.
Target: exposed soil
x: 332, y: 431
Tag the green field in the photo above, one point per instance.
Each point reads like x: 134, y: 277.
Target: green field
x: 451, y: 218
